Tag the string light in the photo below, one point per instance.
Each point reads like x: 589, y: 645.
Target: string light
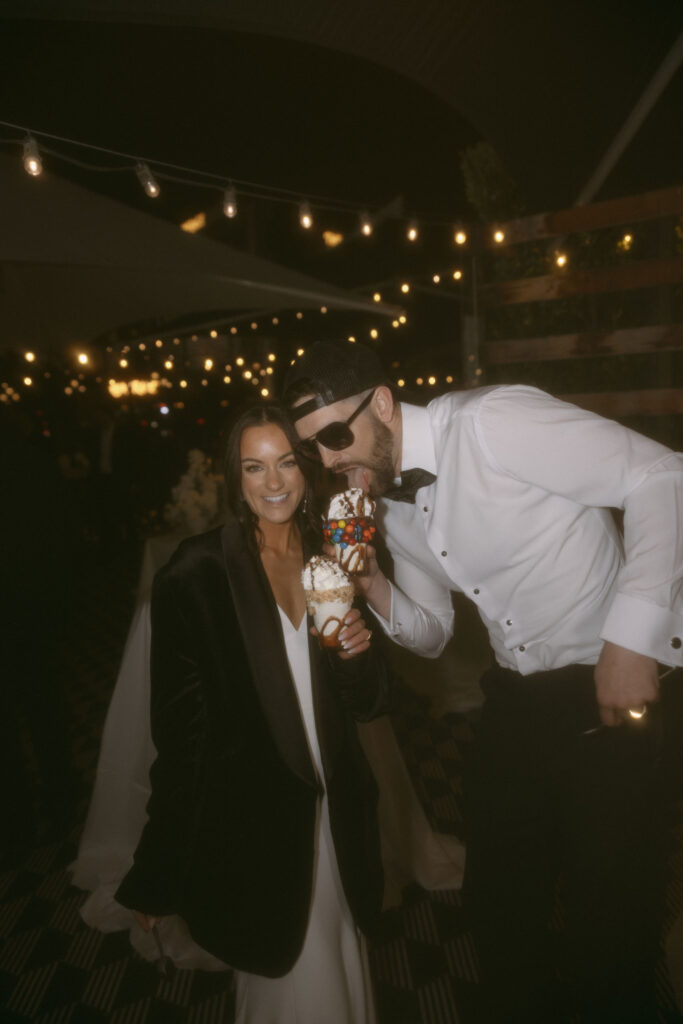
x: 460, y: 236
x: 265, y: 392
x: 168, y: 364
x: 159, y: 343
x: 374, y: 333
x: 412, y: 232
x: 431, y: 380
x: 299, y: 316
x: 271, y: 357
x: 457, y: 275
x: 323, y: 309
x: 29, y: 357
x: 436, y: 278
x: 419, y: 380
x: 28, y: 382
x: 351, y: 338
x: 83, y: 359
x: 230, y: 203
x: 377, y: 297
x: 247, y: 374
x: 147, y: 180
x: 33, y: 164
x: 226, y: 379
x: 208, y: 364
x: 183, y: 383
x: 499, y: 236
x: 561, y: 259
x: 299, y: 351
x: 401, y: 383
x: 275, y: 321
x: 395, y: 323
x: 402, y: 319
x: 214, y: 334
x: 123, y: 363
x: 365, y: 224
x: 305, y: 215
x: 233, y: 330
x: 405, y: 287
x: 240, y: 361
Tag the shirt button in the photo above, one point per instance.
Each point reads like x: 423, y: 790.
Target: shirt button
x: 443, y: 554
x: 676, y: 642
x: 508, y: 622
x: 476, y: 590
x: 425, y: 508
x: 521, y: 647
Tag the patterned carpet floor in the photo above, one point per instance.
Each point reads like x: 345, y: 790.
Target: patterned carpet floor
x: 54, y: 969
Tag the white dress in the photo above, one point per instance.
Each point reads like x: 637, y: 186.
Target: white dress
x: 330, y: 982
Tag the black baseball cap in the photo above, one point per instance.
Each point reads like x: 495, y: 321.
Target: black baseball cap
x: 332, y: 370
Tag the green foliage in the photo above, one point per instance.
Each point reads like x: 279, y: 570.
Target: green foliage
x: 488, y: 187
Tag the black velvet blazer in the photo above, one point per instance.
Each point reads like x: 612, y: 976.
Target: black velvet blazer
x: 230, y: 838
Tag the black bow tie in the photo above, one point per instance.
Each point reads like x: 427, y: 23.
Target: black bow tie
x: 411, y: 482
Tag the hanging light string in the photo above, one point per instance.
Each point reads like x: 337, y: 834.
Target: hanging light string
x: 167, y: 171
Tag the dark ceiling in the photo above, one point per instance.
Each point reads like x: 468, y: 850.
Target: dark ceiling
x: 362, y: 100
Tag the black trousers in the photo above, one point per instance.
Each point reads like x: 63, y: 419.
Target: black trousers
x: 566, y: 849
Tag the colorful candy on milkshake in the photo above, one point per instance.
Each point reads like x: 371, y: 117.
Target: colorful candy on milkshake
x: 349, y: 525
x: 329, y: 597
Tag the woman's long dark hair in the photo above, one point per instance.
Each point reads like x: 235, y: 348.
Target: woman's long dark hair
x: 307, y: 518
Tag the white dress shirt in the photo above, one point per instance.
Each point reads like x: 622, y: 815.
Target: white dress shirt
x: 518, y: 520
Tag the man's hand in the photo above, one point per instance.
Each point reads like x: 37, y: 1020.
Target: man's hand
x: 371, y: 584
x: 624, y: 680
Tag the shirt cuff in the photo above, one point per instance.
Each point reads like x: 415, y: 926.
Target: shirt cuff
x: 390, y: 626
x: 645, y: 628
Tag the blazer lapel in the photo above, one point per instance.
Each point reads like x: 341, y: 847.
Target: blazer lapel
x: 262, y: 632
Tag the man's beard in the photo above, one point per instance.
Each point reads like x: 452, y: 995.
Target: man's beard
x: 381, y: 460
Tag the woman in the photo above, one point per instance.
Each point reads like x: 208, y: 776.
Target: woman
x: 258, y: 762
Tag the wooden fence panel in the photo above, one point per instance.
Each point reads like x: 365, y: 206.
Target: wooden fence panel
x: 645, y: 274
x: 628, y: 341
x: 666, y: 202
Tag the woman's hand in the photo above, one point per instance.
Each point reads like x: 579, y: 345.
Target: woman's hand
x: 146, y: 921
x: 354, y: 635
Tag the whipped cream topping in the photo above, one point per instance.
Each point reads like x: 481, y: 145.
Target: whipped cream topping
x: 353, y: 503
x: 323, y: 574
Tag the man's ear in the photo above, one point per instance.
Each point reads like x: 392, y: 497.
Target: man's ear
x: 384, y: 403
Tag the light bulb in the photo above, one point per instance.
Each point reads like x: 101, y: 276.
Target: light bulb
x: 499, y: 236
x: 405, y: 287
x: 561, y: 259
x: 147, y: 180
x: 33, y: 164
x: 457, y: 275
x: 365, y: 224
x: 412, y: 232
x: 436, y: 278
x: 377, y: 297
x: 460, y: 237
x: 82, y: 358
x: 305, y: 216
x: 230, y: 202
x: 29, y: 357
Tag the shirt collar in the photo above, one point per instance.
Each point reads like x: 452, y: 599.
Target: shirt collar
x: 417, y: 440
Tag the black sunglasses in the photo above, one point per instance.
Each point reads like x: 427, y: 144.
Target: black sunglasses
x: 334, y: 436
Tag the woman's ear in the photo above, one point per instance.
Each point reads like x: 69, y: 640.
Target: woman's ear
x: 384, y: 403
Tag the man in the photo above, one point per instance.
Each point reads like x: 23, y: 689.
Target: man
x: 504, y: 493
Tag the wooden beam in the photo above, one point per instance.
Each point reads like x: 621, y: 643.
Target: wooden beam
x: 645, y: 274
x: 667, y: 202
x: 617, y: 404
x: 627, y: 341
